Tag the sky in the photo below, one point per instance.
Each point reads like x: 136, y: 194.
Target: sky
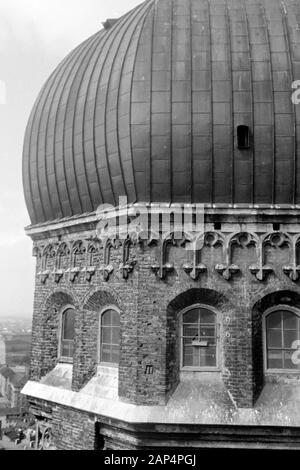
x: 35, y: 35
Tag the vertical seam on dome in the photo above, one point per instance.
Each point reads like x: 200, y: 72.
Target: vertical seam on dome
x: 192, y: 106
x: 48, y: 85
x: 37, y: 167
x: 54, y: 89
x: 65, y: 87
x: 73, y: 160
x: 151, y: 103
x: 122, y: 33
x: 27, y: 151
x: 252, y: 103
x: 28, y: 165
x: 273, y: 106
x: 291, y: 65
x: 149, y: 9
x: 98, y: 42
x: 212, y: 198
x: 140, y: 12
x: 106, y: 37
x: 228, y: 24
x: 113, y: 34
x: 171, y: 105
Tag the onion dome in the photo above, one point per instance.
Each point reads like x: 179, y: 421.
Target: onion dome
x: 178, y: 101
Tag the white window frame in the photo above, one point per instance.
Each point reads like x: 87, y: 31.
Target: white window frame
x: 264, y: 325
x: 101, y: 363
x: 60, y: 332
x: 215, y: 368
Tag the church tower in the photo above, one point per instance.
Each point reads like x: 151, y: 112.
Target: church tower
x: 161, y: 173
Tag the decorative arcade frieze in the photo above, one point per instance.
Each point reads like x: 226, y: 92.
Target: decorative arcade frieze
x: 119, y: 256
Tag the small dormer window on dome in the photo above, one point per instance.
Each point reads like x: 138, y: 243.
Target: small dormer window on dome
x: 243, y: 137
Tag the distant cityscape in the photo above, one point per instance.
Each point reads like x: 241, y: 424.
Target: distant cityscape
x: 15, y: 345
x: 15, y: 325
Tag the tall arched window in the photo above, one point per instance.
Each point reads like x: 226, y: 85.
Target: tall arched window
x: 198, y: 338
x: 67, y: 333
x: 282, y: 339
x: 110, y: 337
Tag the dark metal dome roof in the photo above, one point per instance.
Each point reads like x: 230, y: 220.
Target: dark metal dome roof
x: 149, y: 108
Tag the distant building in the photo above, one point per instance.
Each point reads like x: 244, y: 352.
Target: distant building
x: 10, y: 416
x: 15, y: 349
x: 11, y: 384
x: 2, y: 351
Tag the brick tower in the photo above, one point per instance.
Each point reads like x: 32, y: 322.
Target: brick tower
x: 142, y: 337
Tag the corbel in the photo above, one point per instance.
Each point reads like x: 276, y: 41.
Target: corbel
x: 163, y: 267
x: 260, y: 270
x: 126, y: 266
x: 195, y: 268
x: 107, y: 269
x: 227, y: 268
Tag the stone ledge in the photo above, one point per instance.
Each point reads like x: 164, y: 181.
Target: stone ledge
x: 192, y: 403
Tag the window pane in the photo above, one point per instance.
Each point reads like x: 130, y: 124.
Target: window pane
x: 196, y: 357
x: 187, y: 341
x: 115, y: 357
x: 106, y: 335
x: 189, y: 330
x: 207, y: 333
x: 282, y: 333
x: 208, y: 357
x: 187, y: 360
x: 290, y: 321
x: 289, y: 360
x: 110, y: 337
x: 67, y: 348
x: 115, y: 354
x: 115, y: 318
x: 199, y: 324
x: 274, y: 320
x: 116, y: 336
x: 105, y: 355
x: 192, y: 316
x: 289, y: 337
x: 69, y: 324
x: 275, y: 359
x: 191, y: 356
x: 106, y: 318
x: 206, y: 316
x: 274, y: 338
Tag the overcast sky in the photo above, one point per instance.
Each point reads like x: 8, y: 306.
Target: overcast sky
x: 34, y: 36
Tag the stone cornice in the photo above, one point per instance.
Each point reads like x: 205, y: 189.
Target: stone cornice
x: 231, y: 214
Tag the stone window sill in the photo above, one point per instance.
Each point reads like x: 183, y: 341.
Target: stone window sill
x: 65, y: 360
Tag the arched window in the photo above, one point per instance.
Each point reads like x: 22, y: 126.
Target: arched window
x: 282, y: 340
x: 110, y: 337
x: 198, y: 338
x: 67, y: 333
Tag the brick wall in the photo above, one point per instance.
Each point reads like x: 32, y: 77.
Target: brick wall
x: 149, y: 365
x: 71, y: 429
x: 75, y: 430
